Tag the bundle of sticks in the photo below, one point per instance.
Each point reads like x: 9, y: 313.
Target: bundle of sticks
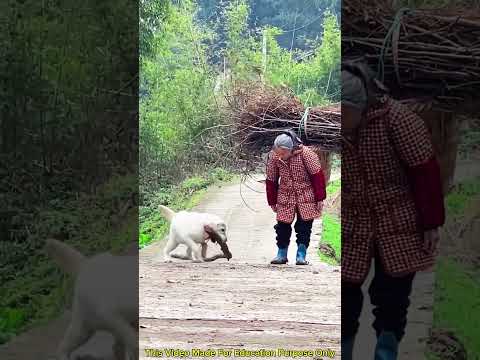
x: 259, y: 113
x: 434, y: 52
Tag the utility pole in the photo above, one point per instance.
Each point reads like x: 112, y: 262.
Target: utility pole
x: 264, y: 52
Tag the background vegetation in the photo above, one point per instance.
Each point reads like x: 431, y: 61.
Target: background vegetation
x: 68, y: 144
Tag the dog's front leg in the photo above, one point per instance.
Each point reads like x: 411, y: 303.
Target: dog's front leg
x: 204, y: 250
x: 77, y: 334
x: 188, y: 255
x: 169, y: 247
x: 119, y: 350
x: 196, y: 250
x: 126, y: 338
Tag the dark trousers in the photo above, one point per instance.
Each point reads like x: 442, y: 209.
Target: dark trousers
x: 390, y: 297
x: 303, y: 230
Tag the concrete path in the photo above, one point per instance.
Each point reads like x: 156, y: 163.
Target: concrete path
x: 245, y: 303
x: 40, y: 343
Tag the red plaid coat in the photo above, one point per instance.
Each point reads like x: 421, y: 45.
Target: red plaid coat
x: 391, y: 193
x: 298, y: 184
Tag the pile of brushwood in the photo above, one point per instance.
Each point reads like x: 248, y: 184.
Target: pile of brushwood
x: 433, y: 53
x: 259, y: 113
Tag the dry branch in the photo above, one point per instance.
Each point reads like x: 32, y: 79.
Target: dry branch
x: 431, y: 52
x: 259, y: 113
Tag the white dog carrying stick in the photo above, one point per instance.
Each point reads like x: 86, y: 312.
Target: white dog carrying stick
x: 194, y: 229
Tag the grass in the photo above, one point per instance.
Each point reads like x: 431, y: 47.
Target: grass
x: 331, y: 228
x: 10, y: 320
x: 457, y: 297
x: 186, y: 195
x: 457, y: 292
x: 458, y: 199
x: 331, y: 236
x: 334, y: 187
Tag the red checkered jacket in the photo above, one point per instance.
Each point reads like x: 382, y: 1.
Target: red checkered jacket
x: 391, y: 193
x: 298, y: 184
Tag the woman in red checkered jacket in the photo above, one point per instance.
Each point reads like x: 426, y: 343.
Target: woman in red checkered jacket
x: 392, y: 206
x: 295, y: 187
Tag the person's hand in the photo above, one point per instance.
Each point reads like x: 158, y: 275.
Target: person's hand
x: 430, y: 240
x: 274, y: 208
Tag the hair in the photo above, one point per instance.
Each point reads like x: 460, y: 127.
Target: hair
x: 283, y: 141
x: 360, y: 86
x: 354, y: 92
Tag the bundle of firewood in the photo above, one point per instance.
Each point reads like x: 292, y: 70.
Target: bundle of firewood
x: 259, y: 113
x: 431, y: 52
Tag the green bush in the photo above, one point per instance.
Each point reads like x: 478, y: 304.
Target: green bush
x: 457, y: 199
x: 331, y: 235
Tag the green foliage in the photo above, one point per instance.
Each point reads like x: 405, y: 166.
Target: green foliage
x: 152, y: 14
x: 10, y: 320
x: 334, y: 187
x: 313, y: 74
x: 331, y: 228
x: 457, y: 199
x: 331, y: 236
x: 177, y: 100
x: 456, y: 296
x: 298, y: 19
x: 68, y: 86
x: 242, y: 51
x: 470, y: 139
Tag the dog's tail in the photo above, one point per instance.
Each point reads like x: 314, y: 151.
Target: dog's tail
x: 167, y: 213
x: 69, y: 259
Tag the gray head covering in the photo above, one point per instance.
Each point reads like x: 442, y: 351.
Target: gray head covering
x: 283, y: 141
x: 353, y: 91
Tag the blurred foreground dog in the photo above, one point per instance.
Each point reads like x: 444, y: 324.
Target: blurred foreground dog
x: 104, y: 299
x: 193, y: 230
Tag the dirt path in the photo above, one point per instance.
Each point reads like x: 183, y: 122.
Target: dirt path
x: 244, y: 303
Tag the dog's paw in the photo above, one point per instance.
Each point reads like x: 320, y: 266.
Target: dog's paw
x: 168, y: 260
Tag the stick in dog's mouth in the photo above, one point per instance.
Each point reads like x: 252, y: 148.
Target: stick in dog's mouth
x: 216, y: 238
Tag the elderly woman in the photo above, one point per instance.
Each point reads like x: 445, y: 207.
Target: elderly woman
x: 295, y: 187
x: 392, y: 206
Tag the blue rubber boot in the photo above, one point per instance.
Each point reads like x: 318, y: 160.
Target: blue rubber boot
x: 387, y: 346
x: 347, y: 348
x: 301, y: 254
x: 281, y: 257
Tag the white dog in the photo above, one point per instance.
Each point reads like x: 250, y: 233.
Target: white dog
x: 192, y: 229
x: 104, y: 298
